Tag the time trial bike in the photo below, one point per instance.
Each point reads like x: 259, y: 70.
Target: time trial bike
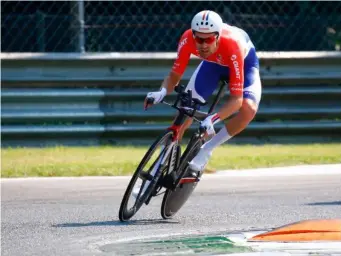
x: 164, y: 169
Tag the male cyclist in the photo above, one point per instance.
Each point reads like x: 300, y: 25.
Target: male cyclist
x: 225, y: 51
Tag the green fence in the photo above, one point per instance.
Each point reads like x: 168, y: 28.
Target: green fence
x: 155, y: 26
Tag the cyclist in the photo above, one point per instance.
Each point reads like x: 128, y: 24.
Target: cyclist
x: 225, y: 50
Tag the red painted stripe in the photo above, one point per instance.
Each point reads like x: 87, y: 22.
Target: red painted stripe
x: 203, y: 17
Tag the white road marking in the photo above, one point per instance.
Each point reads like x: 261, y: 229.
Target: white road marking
x: 325, y: 169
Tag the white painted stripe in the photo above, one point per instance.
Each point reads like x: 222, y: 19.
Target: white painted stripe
x: 65, y: 178
x: 256, y: 254
x: 304, y: 248
x: 326, y: 169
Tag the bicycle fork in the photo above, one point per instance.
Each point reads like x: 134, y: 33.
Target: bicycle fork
x: 160, y: 164
x: 170, y: 178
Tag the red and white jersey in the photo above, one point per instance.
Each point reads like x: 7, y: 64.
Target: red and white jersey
x: 234, y: 45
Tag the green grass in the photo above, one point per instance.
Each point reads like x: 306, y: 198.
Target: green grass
x: 89, y: 161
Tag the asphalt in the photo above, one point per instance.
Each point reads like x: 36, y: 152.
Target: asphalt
x: 79, y: 216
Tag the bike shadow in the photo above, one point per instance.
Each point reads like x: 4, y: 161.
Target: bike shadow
x: 116, y: 223
x: 325, y: 203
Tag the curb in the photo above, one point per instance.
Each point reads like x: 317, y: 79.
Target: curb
x: 303, y: 231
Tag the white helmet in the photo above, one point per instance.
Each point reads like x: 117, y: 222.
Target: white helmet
x: 207, y: 22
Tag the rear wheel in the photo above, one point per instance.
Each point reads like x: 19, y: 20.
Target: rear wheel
x: 174, y: 200
x: 145, y: 178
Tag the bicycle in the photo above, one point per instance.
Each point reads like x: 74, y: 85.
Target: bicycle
x: 169, y: 169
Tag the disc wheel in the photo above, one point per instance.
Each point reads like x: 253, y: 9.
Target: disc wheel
x: 174, y: 200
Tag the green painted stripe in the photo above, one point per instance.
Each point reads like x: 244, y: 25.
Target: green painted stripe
x: 199, y: 244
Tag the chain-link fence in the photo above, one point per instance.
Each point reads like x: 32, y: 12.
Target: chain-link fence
x: 155, y: 26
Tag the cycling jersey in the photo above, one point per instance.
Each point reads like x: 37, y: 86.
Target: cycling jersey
x: 233, y: 51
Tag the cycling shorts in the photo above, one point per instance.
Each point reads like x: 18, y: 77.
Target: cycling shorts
x: 206, y: 77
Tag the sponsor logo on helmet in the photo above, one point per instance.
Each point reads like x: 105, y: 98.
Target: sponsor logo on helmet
x: 201, y: 28
x: 236, y: 65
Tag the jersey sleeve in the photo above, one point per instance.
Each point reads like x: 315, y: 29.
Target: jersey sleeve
x: 236, y: 64
x: 183, y: 54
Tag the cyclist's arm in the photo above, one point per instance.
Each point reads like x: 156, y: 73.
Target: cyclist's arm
x: 180, y: 64
x: 235, y: 101
x: 171, y: 81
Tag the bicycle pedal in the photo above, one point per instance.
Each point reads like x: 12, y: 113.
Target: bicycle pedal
x: 145, y: 176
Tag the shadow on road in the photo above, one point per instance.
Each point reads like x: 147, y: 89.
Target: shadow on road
x: 326, y: 203
x: 115, y: 223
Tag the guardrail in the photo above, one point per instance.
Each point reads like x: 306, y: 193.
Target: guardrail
x: 84, y: 99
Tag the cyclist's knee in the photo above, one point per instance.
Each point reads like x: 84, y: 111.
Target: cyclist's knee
x: 249, y: 108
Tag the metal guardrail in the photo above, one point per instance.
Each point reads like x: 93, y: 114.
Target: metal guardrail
x: 148, y: 69
x: 97, y: 98
x: 51, y: 105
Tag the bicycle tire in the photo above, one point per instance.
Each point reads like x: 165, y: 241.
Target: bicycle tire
x: 173, y: 200
x: 124, y: 213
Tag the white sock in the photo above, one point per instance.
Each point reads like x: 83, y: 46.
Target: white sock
x: 218, y: 139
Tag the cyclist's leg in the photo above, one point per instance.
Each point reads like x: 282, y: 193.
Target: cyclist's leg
x: 203, y: 82
x: 252, y: 96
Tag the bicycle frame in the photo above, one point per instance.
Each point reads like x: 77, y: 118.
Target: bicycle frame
x: 154, y: 178
x: 189, y: 110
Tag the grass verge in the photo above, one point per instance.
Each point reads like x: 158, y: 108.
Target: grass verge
x: 111, y: 161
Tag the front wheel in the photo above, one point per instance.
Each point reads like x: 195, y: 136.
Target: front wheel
x: 148, y: 173
x: 174, y: 200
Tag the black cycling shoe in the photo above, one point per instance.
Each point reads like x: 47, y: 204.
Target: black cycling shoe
x: 169, y: 180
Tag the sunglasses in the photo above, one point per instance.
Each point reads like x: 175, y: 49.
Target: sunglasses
x: 207, y: 40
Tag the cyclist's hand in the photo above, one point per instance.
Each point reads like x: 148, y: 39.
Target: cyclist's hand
x: 156, y: 96
x: 208, y: 124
